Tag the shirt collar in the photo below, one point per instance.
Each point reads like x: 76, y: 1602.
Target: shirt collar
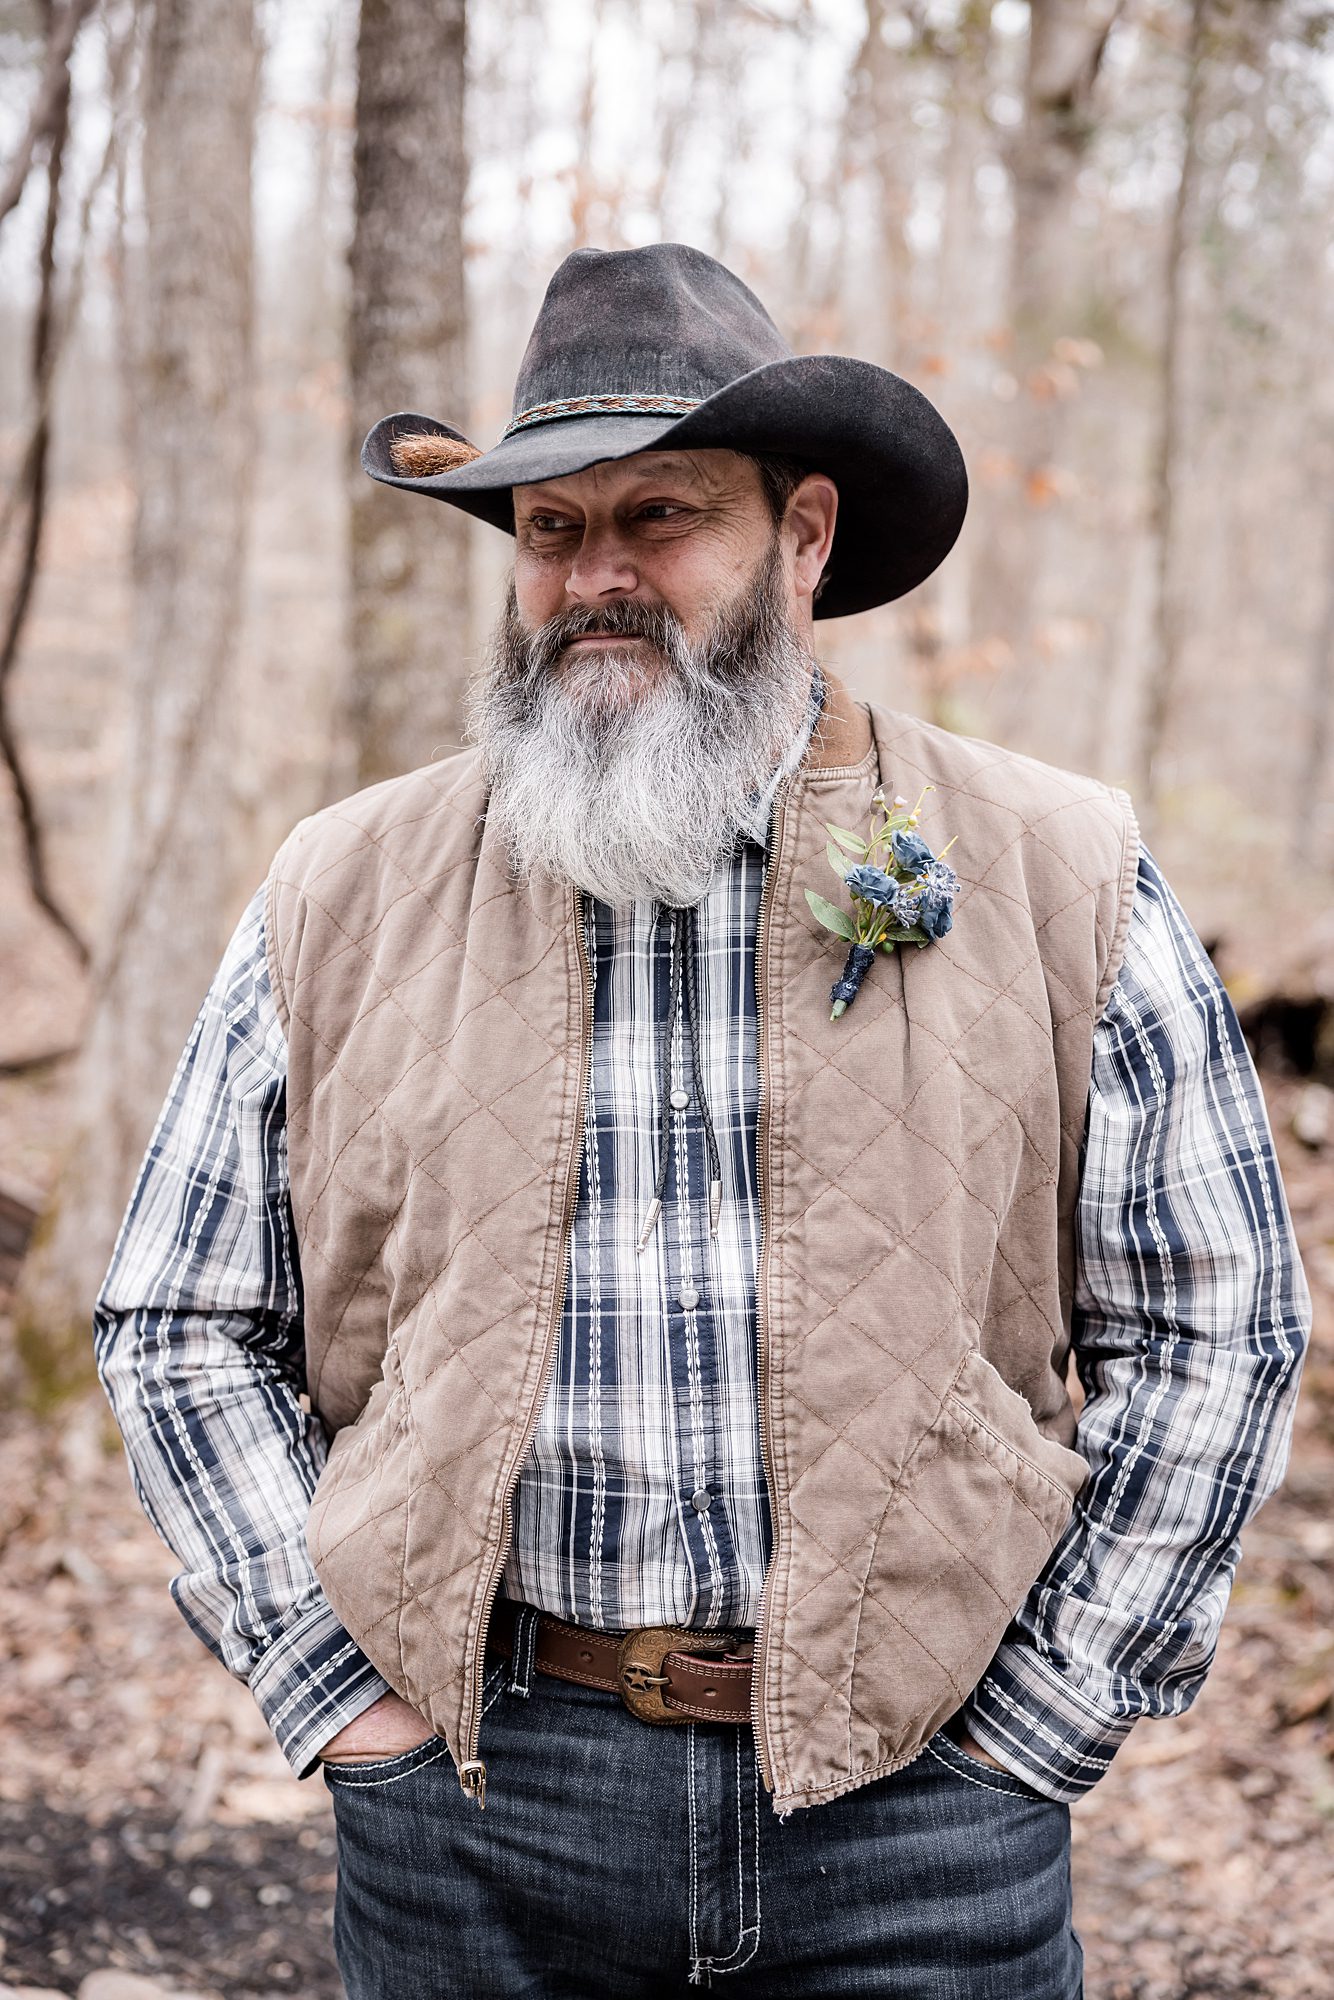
x: 760, y: 804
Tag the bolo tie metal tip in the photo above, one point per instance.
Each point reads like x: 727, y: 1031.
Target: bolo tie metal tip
x: 715, y: 1205
x: 654, y: 1211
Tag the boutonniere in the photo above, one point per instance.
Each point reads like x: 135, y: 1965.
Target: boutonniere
x: 901, y: 892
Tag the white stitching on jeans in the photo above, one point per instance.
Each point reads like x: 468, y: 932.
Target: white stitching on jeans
x: 524, y: 1649
x: 697, y: 1963
x: 515, y: 1681
x: 495, y: 1687
x: 733, y: 1962
x: 394, y: 1776
x: 1014, y: 1791
x: 690, y: 1808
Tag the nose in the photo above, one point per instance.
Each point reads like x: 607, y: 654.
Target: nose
x: 601, y: 567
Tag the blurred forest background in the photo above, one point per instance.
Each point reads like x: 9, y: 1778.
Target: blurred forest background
x: 1096, y: 233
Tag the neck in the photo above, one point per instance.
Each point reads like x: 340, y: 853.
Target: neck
x: 842, y: 733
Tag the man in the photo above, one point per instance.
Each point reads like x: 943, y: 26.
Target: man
x: 694, y: 1361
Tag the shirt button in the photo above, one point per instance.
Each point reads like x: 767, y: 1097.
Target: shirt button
x: 679, y: 1100
x: 687, y: 1297
x: 701, y: 1500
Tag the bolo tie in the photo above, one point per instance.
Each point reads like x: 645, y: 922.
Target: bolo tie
x: 683, y: 953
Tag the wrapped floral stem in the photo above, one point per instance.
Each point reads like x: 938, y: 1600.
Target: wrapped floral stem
x: 901, y: 892
x: 844, y: 991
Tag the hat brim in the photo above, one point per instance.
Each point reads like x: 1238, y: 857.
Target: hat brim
x: 902, y: 484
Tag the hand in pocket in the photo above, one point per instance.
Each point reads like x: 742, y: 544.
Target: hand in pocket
x: 388, y: 1728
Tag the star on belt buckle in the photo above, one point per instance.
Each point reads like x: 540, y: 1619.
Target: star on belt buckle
x: 639, y: 1676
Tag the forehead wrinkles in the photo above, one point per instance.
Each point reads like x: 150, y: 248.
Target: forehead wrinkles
x: 709, y: 471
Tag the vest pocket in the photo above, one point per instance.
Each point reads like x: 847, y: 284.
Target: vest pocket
x: 1000, y: 1424
x: 968, y: 1526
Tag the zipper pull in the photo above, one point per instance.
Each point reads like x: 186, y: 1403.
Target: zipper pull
x: 654, y: 1211
x: 472, y: 1777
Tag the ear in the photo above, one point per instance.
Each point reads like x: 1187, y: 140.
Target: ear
x: 811, y: 513
x: 421, y: 453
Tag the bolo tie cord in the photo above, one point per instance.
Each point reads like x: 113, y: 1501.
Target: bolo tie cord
x: 683, y: 952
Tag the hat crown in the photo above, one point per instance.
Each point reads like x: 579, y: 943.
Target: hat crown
x: 664, y: 320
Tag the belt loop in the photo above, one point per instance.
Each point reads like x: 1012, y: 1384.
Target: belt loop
x: 525, y: 1646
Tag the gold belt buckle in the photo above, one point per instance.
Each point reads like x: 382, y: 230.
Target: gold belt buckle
x: 639, y: 1674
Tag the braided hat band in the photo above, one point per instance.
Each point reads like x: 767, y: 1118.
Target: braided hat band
x: 596, y: 406
x: 419, y: 454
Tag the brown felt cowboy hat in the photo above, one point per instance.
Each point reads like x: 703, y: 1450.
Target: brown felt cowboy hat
x: 664, y: 346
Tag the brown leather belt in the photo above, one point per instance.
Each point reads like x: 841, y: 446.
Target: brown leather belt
x: 663, y: 1673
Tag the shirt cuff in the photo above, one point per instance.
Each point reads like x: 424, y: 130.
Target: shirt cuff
x: 309, y: 1682
x: 1041, y: 1727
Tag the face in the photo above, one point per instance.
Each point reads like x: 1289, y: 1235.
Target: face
x: 648, y: 672
x: 683, y: 531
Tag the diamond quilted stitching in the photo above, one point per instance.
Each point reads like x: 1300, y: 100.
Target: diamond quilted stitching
x: 957, y: 1055
x: 945, y: 1070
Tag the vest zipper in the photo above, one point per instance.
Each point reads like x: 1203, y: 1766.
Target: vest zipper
x: 472, y: 1770
x: 759, y: 1669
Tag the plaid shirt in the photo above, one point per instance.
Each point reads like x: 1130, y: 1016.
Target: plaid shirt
x: 643, y: 1500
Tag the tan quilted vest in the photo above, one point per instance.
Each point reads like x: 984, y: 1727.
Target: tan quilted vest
x: 918, y: 1164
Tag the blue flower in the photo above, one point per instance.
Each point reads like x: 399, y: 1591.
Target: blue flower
x: 941, y: 880
x: 910, y: 850
x: 936, y: 917
x: 907, y: 908
x: 871, y: 884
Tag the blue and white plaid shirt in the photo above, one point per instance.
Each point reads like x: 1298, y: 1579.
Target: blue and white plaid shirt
x: 643, y: 1500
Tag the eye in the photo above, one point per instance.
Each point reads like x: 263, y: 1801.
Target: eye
x: 547, y: 524
x: 661, y: 510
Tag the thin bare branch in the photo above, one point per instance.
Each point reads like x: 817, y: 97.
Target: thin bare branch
x: 1165, y: 672
x: 51, y: 106
x: 33, y: 506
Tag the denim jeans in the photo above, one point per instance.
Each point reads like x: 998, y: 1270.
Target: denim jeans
x: 621, y: 1859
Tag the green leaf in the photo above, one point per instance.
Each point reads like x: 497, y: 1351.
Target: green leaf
x: 837, y: 861
x: 832, y: 917
x: 852, y: 841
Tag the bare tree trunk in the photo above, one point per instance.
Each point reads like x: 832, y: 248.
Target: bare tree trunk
x: 173, y: 834
x: 878, y: 80
x: 409, y: 559
x: 30, y: 496
x: 318, y: 316
x: 937, y: 620
x: 1165, y: 665
x: 25, y: 504
x: 1319, y: 719
x: 583, y: 186
x: 1066, y: 43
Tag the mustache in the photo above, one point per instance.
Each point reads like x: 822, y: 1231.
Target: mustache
x: 626, y: 618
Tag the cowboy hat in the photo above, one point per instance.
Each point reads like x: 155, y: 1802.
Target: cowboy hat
x: 664, y: 347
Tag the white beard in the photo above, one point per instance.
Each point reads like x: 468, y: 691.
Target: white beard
x: 633, y: 779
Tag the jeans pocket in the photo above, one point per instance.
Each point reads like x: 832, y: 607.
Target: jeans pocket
x: 383, y: 1770
x: 962, y: 1764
